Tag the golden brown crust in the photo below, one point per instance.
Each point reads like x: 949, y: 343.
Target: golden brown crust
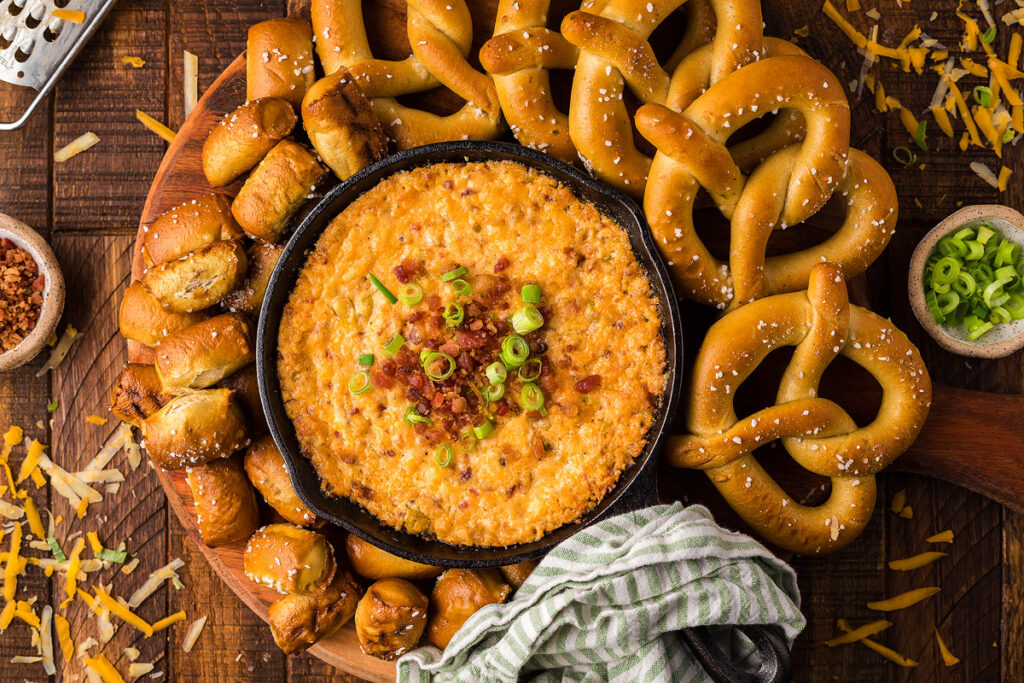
x: 195, y: 428
x: 298, y: 621
x: 205, y: 353
x: 276, y: 189
x: 198, y: 279
x: 289, y: 559
x: 459, y: 593
x: 137, y: 394
x: 341, y: 125
x: 142, y: 318
x: 243, y: 138
x: 370, y: 561
x: 249, y: 296
x: 265, y: 467
x: 517, y: 574
x: 224, y: 501
x: 189, y: 226
x: 390, y: 618
x: 279, y: 60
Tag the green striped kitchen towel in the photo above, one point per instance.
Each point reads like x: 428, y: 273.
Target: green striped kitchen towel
x: 606, y: 605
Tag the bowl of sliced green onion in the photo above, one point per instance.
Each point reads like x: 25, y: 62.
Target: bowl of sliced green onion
x: 966, y: 281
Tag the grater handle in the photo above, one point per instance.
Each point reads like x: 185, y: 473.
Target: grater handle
x: 20, y: 121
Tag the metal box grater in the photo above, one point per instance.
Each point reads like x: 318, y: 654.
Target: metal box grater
x: 36, y: 47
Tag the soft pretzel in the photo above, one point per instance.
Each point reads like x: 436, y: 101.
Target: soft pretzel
x: 441, y: 35
x: 821, y: 324
x: 615, y: 53
x: 785, y: 189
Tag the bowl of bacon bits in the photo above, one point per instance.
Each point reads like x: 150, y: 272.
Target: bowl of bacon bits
x: 31, y: 293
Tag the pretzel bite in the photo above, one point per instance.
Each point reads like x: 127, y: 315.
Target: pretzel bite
x: 247, y: 393
x: 459, y: 593
x: 244, y: 137
x: 341, y: 125
x: 276, y: 189
x: 370, y: 561
x: 265, y: 467
x: 199, y: 279
x: 137, y: 394
x: 204, y: 354
x: 289, y: 559
x: 517, y: 574
x: 298, y: 621
x: 189, y: 226
x: 142, y: 318
x: 279, y: 61
x: 225, y: 503
x: 195, y: 428
x: 249, y: 296
x: 390, y: 618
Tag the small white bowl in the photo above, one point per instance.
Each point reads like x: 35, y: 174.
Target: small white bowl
x: 53, y: 292
x: 1002, y: 339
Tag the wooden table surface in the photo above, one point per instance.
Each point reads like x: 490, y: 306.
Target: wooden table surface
x: 88, y: 208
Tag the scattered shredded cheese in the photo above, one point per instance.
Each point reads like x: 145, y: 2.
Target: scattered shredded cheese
x: 899, y: 501
x: 154, y: 581
x: 67, y: 646
x: 11, y: 567
x: 941, y: 537
x: 139, y: 669
x: 915, y: 562
x: 154, y: 125
x: 122, y: 612
x: 71, y: 576
x: 35, y: 524
x: 102, y: 666
x: 889, y: 654
x: 864, y: 631
x: 46, y: 641
x: 95, y: 420
x: 948, y: 658
x: 904, y: 600
x: 60, y: 351
x: 191, y: 81
x: 907, y: 512
x: 192, y: 635
x: 72, y: 15
x: 167, y: 621
x: 134, y: 62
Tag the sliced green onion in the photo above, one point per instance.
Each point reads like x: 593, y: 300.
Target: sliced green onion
x: 453, y: 314
x: 52, y: 407
x: 366, y: 359
x: 394, y: 344
x: 411, y: 294
x: 1008, y: 253
x: 443, y: 455
x: 932, y: 302
x: 530, y: 294
x: 413, y: 417
x: 976, y: 327
x: 382, y: 289
x: 1015, y: 306
x: 975, y: 250
x: 456, y: 273
x: 983, y: 96
x: 483, y: 430
x: 922, y: 128
x: 1008, y: 135
x: 952, y: 246
x: 461, y: 287
x: 948, y: 303
x: 946, y: 270
x: 530, y: 372
x: 496, y: 372
x: 964, y: 234
x: 435, y: 373
x: 468, y: 441
x: 58, y: 554
x: 118, y: 556
x: 514, y: 351
x: 360, y: 383
x: 989, y: 35
x: 985, y: 233
x: 904, y: 155
x: 1000, y: 315
x: 531, y: 397
x: 527, y: 319
x: 993, y: 295
x: 494, y: 392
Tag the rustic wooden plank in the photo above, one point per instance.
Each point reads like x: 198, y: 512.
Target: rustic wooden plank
x: 306, y: 668
x: 1013, y: 595
x: 105, y: 188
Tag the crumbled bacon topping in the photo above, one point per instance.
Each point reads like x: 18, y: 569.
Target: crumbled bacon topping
x: 21, y: 294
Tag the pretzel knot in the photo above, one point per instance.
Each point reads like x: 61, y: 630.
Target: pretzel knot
x: 821, y: 324
x: 615, y: 52
x: 788, y: 187
x: 441, y: 35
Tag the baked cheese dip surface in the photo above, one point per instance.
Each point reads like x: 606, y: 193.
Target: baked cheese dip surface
x: 472, y: 353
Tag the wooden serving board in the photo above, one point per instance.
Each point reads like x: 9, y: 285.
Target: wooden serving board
x: 971, y: 438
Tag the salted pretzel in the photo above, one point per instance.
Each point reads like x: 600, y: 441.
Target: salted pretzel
x: 615, y: 53
x: 441, y: 35
x: 786, y: 188
x: 821, y: 324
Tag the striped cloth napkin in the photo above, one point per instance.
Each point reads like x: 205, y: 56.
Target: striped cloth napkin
x: 605, y: 605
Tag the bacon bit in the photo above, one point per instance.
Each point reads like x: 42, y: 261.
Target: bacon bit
x: 588, y: 384
x: 466, y: 474
x: 538, y: 447
x: 381, y: 380
x: 450, y: 347
x: 412, y: 267
x: 470, y: 340
x: 459, y: 405
x: 401, y: 275
x: 501, y: 264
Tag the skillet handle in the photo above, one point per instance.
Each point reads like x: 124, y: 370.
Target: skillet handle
x: 776, y: 660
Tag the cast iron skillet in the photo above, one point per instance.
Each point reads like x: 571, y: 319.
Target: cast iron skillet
x: 636, y: 487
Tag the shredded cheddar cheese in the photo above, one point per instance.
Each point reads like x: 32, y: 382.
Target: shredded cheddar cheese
x: 864, y: 631
x: 75, y: 147
x: 31, y: 461
x: 916, y: 562
x: 899, y: 500
x: 941, y: 537
x: 192, y: 635
x: 907, y: 512
x: 35, y: 524
x: 12, y: 565
x: 72, y: 15
x: 155, y: 126
x: 94, y: 542
x: 167, y: 621
x: 903, y: 600
x: 948, y: 658
x: 133, y: 61
x: 7, y: 615
x: 74, y: 564
x: 102, y: 666
x: 63, y: 627
x: 888, y: 653
x: 96, y: 420
x: 125, y: 614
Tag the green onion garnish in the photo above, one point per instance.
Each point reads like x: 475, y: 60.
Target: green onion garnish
x: 452, y: 274
x: 468, y: 441
x: 989, y: 35
x: 118, y: 556
x: 922, y: 128
x: 531, y: 397
x: 1008, y: 135
x: 52, y: 407
x: 527, y: 319
x: 494, y: 392
x: 382, y: 289
x: 983, y: 96
x: 55, y: 549
x: 413, y: 417
x: 530, y: 294
x: 453, y: 314
x: 496, y: 372
x: 366, y: 359
x: 514, y: 351
x: 461, y: 287
x: 904, y: 155
x: 411, y: 294
x: 443, y: 455
x: 394, y: 344
x: 530, y: 372
x: 360, y: 383
x: 483, y: 430
x: 438, y: 366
